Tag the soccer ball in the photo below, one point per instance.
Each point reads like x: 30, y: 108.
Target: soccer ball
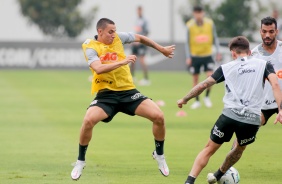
x: 230, y: 177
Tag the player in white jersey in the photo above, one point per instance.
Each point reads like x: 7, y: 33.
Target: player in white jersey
x: 269, y: 50
x: 244, y: 82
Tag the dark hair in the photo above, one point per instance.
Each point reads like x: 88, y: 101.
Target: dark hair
x: 197, y: 8
x: 102, y: 23
x: 268, y: 21
x: 239, y: 44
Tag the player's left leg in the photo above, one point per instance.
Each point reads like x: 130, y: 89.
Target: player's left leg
x: 150, y: 110
x: 232, y: 158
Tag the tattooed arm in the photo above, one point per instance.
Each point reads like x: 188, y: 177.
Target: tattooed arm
x: 168, y: 51
x: 197, y: 90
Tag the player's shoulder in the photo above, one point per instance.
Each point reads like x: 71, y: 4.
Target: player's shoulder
x: 208, y: 20
x: 255, y: 50
x: 190, y: 22
x: 279, y: 43
x: 87, y: 41
x: 254, y: 59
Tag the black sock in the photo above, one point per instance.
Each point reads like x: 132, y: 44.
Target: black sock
x: 208, y: 92
x: 218, y: 174
x: 82, y: 152
x: 197, y: 98
x: 159, y: 147
x: 190, y: 180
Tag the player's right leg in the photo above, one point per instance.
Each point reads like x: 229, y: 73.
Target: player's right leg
x: 197, y: 103
x: 93, y: 115
x: 195, y: 70
x: 145, y: 81
x: 202, y: 160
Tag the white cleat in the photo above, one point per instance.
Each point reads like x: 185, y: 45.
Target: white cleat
x: 77, y: 170
x: 211, y: 178
x: 207, y: 102
x: 195, y: 105
x: 162, y: 163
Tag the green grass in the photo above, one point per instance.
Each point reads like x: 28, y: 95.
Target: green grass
x: 41, y: 112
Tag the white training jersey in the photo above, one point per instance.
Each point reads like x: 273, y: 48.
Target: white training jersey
x: 244, y: 83
x: 276, y: 60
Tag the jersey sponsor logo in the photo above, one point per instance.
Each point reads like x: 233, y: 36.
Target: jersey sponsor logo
x: 202, y: 39
x: 136, y: 96
x: 97, y: 81
x: 244, y: 141
x: 269, y: 102
x: 242, y: 71
x: 109, y: 57
x: 217, y: 132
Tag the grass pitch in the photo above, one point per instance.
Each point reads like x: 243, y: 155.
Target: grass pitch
x: 41, y: 112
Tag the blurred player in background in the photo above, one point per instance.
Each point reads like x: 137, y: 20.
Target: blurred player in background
x: 141, y: 27
x: 115, y: 92
x: 244, y: 82
x: 201, y: 36
x: 269, y: 50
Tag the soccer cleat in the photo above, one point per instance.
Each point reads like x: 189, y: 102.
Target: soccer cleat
x: 77, y: 170
x: 211, y: 178
x: 195, y: 105
x: 207, y: 102
x: 162, y: 163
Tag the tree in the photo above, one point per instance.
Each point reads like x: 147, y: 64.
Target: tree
x: 236, y: 17
x: 57, y: 18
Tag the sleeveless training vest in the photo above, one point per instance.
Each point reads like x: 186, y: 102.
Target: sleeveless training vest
x: 119, y: 79
x: 200, y: 37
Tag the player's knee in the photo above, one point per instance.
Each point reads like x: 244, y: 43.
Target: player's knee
x: 159, y: 118
x: 88, y: 122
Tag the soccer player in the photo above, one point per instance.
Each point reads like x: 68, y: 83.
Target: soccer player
x: 201, y: 36
x: 138, y: 49
x: 269, y: 50
x: 115, y: 92
x: 244, y: 82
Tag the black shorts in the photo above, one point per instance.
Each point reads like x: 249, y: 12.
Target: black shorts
x: 113, y: 102
x: 268, y: 113
x: 198, y: 62
x: 139, y: 50
x: 225, y: 127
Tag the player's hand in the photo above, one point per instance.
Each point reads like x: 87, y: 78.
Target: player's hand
x: 130, y: 59
x: 181, y: 102
x: 189, y: 61
x: 278, y: 118
x: 168, y: 51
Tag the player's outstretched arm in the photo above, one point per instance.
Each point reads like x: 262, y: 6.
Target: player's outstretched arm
x: 197, y: 90
x: 168, y: 51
